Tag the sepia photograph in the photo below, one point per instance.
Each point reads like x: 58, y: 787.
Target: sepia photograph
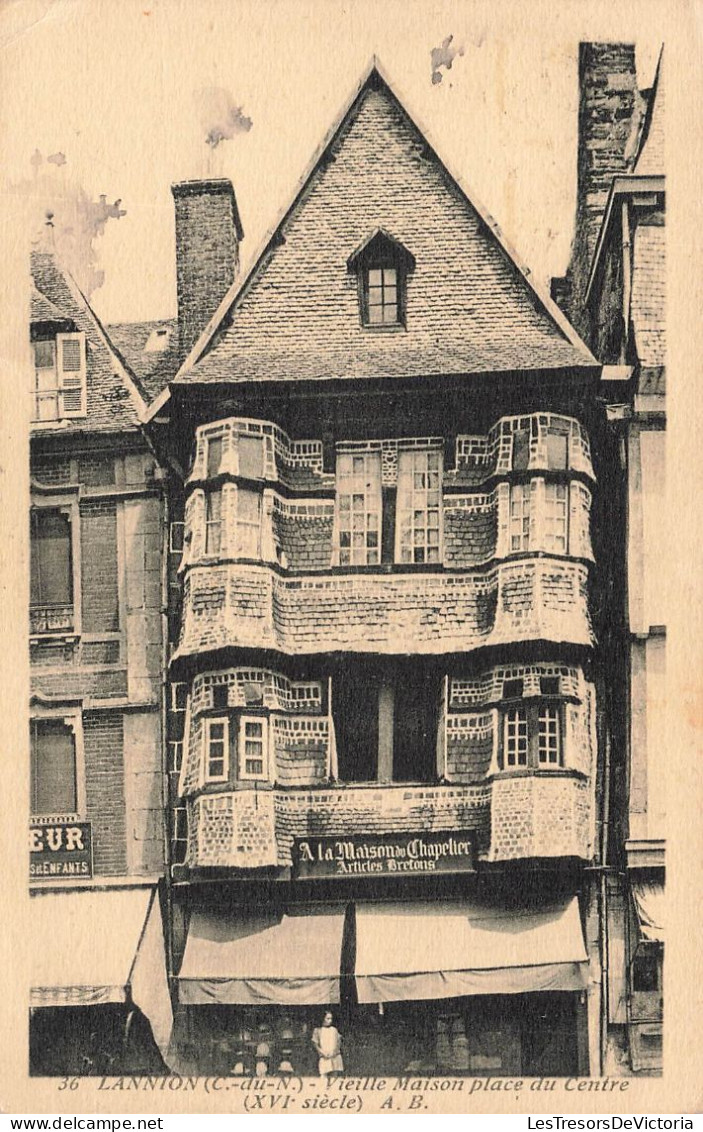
x: 344, y: 399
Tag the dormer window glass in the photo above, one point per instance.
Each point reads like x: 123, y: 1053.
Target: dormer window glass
x: 382, y: 296
x: 382, y: 266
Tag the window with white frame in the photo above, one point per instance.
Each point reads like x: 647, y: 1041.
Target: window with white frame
x: 532, y: 735
x: 248, y: 535
x: 214, y: 447
x: 51, y: 570
x: 216, y: 740
x: 359, y: 508
x: 556, y: 518
x: 59, y: 377
x: 519, y: 517
x: 250, y: 456
x: 53, y: 768
x: 213, y: 522
x: 557, y: 449
x: 253, y: 747
x: 515, y: 741
x: 548, y: 735
x: 419, y: 507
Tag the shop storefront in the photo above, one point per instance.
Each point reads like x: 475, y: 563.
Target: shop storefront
x: 427, y: 986
x: 100, y: 1001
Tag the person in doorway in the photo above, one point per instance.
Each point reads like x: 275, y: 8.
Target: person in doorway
x: 328, y: 1043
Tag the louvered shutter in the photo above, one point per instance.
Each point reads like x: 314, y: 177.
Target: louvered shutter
x: 71, y: 370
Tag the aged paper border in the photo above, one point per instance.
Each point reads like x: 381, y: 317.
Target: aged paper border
x: 678, y: 23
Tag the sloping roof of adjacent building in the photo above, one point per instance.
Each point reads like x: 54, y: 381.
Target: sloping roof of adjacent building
x: 150, y: 349
x: 115, y: 400
x: 650, y: 159
x: 471, y: 306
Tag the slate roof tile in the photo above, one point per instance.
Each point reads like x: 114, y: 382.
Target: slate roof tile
x: 154, y: 368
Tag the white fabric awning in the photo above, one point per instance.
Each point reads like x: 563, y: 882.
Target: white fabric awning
x: 93, y: 947
x: 650, y: 908
x: 415, y: 951
x: 291, y: 959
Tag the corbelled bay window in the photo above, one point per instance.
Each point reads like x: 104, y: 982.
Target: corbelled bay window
x: 359, y: 509
x: 419, y: 507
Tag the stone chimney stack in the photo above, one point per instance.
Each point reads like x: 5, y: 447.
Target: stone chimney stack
x: 610, y: 109
x: 208, y: 234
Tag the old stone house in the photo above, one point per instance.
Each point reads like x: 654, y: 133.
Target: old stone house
x: 384, y: 454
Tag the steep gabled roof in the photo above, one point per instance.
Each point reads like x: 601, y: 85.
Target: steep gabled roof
x: 471, y: 306
x: 115, y: 400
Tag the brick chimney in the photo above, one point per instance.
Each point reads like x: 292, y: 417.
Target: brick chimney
x: 610, y: 108
x: 208, y: 233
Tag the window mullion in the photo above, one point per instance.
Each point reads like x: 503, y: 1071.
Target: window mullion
x: 533, y: 736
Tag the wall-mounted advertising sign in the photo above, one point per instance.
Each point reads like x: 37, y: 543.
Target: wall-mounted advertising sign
x: 397, y: 854
x: 60, y: 849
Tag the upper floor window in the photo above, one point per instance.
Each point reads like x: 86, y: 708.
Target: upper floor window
x: 217, y: 749
x: 53, y: 773
x: 519, y: 517
x: 419, y: 507
x: 214, y: 446
x: 532, y: 735
x: 359, y: 508
x: 556, y: 498
x: 382, y: 266
x: 59, y: 377
x: 213, y: 522
x: 253, y: 747
x: 51, y: 571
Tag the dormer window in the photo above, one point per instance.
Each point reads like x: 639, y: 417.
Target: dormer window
x: 59, y: 377
x: 382, y: 266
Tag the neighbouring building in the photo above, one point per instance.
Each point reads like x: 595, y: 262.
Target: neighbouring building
x: 615, y: 293
x: 100, y: 1000
x: 383, y: 728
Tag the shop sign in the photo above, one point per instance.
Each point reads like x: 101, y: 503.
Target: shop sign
x: 61, y: 849
x: 398, y: 854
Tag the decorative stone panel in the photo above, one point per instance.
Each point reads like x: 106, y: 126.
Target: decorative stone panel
x: 252, y: 607
x: 512, y: 818
x: 541, y: 816
x: 296, y: 463
x: 470, y: 745
x: 480, y: 457
x: 215, y: 821
x: 488, y: 687
x: 302, y: 533
x: 246, y: 686
x: 232, y: 830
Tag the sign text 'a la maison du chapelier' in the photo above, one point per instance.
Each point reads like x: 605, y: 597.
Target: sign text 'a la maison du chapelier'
x: 386, y: 854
